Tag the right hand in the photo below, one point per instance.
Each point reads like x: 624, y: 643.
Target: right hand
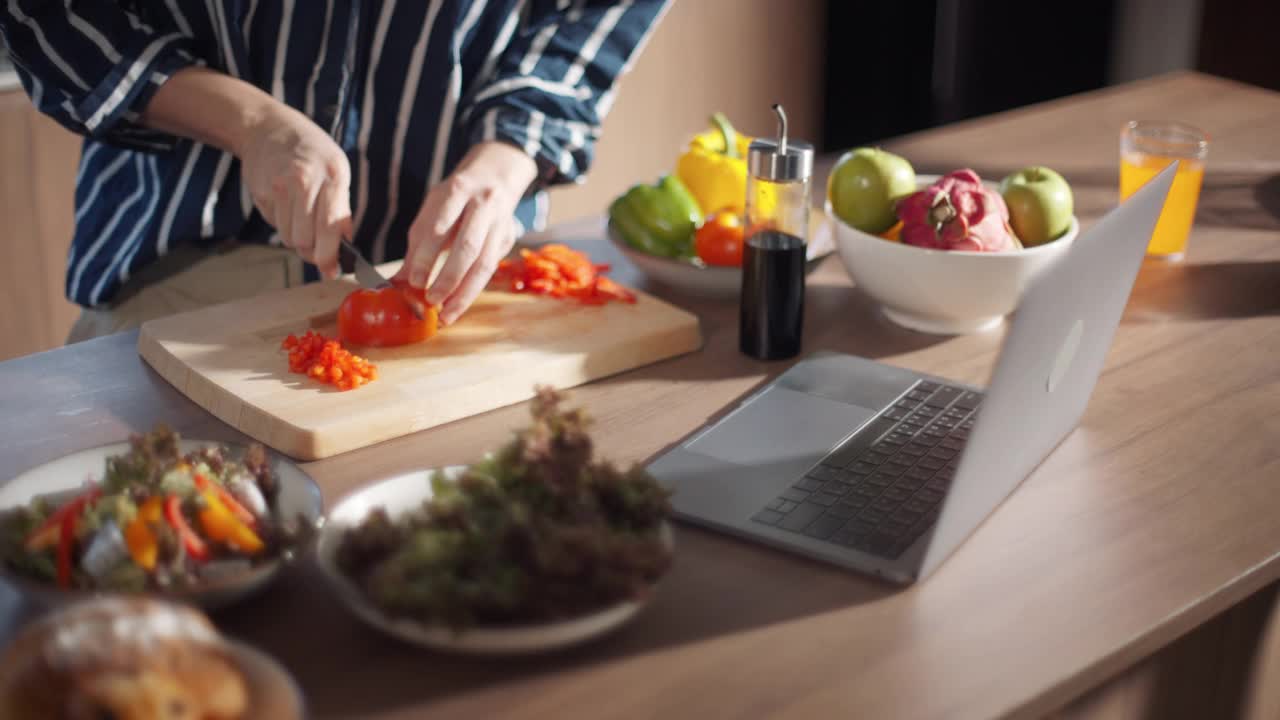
x: 300, y: 180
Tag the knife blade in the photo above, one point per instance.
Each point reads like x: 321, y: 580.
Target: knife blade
x: 369, y: 277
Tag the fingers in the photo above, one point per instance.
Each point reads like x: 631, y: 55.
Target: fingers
x: 500, y: 239
x: 468, y: 242
x: 332, y: 223
x: 302, y: 235
x: 267, y: 209
x: 282, y: 210
x: 456, y: 195
x: 425, y: 244
x: 434, y: 228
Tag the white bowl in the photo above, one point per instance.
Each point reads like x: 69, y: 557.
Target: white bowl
x: 299, y: 495
x: 716, y: 281
x: 943, y: 292
x: 404, y: 493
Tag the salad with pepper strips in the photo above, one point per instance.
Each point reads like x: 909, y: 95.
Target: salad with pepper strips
x: 159, y: 519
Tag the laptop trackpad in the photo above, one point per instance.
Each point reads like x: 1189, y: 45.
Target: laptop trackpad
x: 781, y: 427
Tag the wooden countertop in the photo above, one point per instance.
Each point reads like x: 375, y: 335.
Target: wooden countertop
x: 1156, y: 514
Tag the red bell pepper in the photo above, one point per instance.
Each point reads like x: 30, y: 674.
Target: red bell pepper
x: 190, y: 540
x: 66, y: 538
x: 50, y: 530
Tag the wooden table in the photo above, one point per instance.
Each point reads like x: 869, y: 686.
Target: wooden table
x: 1156, y: 516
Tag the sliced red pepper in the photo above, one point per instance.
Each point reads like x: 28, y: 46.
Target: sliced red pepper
x: 558, y: 271
x: 66, y: 538
x: 49, y: 531
x: 238, y: 509
x: 611, y: 289
x: 190, y: 540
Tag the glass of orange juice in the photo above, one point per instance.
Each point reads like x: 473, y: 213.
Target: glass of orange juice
x: 1146, y: 148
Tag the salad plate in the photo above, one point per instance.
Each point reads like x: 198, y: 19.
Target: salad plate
x: 536, y: 547
x: 225, y: 568
x: 404, y: 493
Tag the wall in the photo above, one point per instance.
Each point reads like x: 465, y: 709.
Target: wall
x: 736, y: 56
x: 37, y: 182
x: 1153, y: 38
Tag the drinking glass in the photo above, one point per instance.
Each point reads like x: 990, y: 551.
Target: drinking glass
x: 1146, y: 148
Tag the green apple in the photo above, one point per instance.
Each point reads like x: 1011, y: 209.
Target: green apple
x: 1040, y: 204
x: 864, y: 186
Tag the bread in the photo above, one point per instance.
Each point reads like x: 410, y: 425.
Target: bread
x: 124, y: 659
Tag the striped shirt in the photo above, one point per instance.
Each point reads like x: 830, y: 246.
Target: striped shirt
x: 405, y: 88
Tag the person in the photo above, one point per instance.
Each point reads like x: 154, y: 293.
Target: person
x: 230, y: 146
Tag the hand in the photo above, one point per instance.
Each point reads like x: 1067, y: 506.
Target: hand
x: 471, y: 214
x: 300, y: 180
x: 297, y: 175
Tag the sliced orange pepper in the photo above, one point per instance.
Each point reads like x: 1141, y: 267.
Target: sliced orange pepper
x: 241, y: 512
x: 139, y: 538
x: 219, y: 524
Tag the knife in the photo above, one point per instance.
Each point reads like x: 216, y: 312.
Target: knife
x: 369, y: 277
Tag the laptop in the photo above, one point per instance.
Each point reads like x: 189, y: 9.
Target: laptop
x: 885, y: 470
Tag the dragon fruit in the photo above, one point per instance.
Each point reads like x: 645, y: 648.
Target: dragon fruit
x: 957, y: 213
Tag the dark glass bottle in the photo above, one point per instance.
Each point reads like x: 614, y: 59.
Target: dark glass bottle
x: 771, y: 317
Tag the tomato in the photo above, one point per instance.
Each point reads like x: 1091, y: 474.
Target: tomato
x: 382, y: 318
x: 719, y: 240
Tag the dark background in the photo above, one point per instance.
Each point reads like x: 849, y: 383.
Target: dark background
x: 937, y: 62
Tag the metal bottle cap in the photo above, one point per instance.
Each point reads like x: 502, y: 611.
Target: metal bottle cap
x: 780, y: 160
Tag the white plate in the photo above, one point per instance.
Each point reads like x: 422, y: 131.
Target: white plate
x: 712, y: 281
x: 298, y: 495
x: 273, y: 693
x: 407, y: 492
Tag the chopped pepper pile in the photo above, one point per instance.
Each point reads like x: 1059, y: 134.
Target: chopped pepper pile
x: 561, y: 272
x: 158, y: 519
x: 324, y: 359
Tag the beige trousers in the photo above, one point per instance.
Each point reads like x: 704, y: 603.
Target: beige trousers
x: 190, y: 278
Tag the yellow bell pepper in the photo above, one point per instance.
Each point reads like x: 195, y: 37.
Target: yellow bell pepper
x: 714, y: 167
x: 221, y: 525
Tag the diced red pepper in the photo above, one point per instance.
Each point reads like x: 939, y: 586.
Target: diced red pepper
x: 190, y: 540
x: 318, y: 357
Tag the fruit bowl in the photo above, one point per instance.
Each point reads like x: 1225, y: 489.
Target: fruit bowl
x: 710, y: 281
x: 943, y: 292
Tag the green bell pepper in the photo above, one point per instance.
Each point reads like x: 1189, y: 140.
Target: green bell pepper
x: 657, y: 219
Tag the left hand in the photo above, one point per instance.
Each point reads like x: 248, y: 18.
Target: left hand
x: 472, y: 214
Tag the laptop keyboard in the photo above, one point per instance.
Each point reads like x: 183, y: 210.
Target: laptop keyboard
x: 881, y: 489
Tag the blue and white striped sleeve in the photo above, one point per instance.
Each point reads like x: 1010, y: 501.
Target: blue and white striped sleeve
x: 93, y: 66
x: 554, y: 85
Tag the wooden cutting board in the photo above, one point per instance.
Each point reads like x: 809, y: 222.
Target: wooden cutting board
x: 228, y: 360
